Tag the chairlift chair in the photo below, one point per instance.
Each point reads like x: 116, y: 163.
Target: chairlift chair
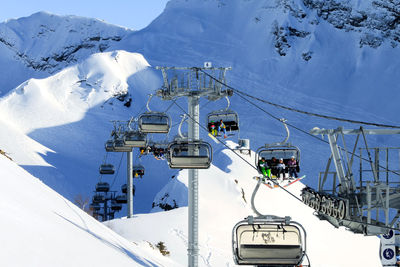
x: 135, y: 139
x: 98, y: 198
x: 264, y: 242
x: 122, y: 199
x: 117, y: 145
x: 229, y: 117
x: 124, y: 189
x: 183, y: 154
x: 102, y: 187
x: 115, y: 206
x: 109, y: 146
x: 107, y: 169
x: 268, y: 240
x: 138, y: 171
x: 278, y: 151
x: 154, y: 122
x: 95, y: 206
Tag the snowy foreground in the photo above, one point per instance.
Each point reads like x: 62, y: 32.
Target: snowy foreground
x: 40, y: 228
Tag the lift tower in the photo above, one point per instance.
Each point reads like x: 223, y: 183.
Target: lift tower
x: 193, y: 83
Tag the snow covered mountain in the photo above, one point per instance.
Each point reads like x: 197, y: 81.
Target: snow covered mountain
x: 69, y: 76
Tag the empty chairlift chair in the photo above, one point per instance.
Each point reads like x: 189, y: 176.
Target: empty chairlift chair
x: 107, y: 169
x: 115, y: 206
x: 263, y: 242
x: 154, y: 122
x: 138, y: 171
x: 102, y: 187
x: 229, y: 117
x: 189, y: 155
x: 98, y: 198
x: 122, y: 199
x: 95, y: 206
x: 135, y: 138
x: 124, y: 189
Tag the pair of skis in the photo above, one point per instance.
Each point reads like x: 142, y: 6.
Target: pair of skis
x: 276, y: 182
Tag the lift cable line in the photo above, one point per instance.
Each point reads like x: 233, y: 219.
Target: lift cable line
x: 302, y: 111
x: 297, y: 128
x: 116, y: 174
x: 275, y: 183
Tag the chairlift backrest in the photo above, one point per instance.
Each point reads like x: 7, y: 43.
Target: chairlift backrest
x: 98, y: 198
x: 229, y: 117
x: 124, y: 189
x: 135, y: 139
x: 123, y: 199
x: 95, y: 206
x: 189, y: 155
x: 102, y: 187
x: 268, y: 244
x: 138, y: 170
x: 116, y: 206
x: 107, y: 169
x: 154, y: 122
x: 285, y: 152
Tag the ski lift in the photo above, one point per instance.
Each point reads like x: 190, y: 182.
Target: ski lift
x: 276, y: 151
x: 229, y: 117
x: 102, y: 187
x: 107, y: 169
x: 98, y: 198
x: 138, y: 171
x: 122, y: 199
x: 109, y: 146
x: 268, y: 240
x: 183, y: 154
x: 124, y: 189
x: 134, y: 138
x: 154, y: 122
x: 95, y: 206
x: 115, y: 206
x: 258, y: 241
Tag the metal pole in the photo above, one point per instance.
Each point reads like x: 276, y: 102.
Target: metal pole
x: 129, y: 183
x: 193, y: 251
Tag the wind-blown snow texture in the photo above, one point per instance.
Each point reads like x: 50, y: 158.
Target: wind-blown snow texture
x: 64, y: 75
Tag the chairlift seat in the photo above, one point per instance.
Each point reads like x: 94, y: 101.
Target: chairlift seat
x: 95, y: 206
x: 98, y: 198
x: 107, y: 169
x: 229, y: 117
x: 124, y: 189
x: 267, y: 244
x: 138, y: 171
x: 109, y: 146
x: 116, y: 206
x: 285, y: 152
x: 135, y: 139
x: 122, y: 199
x: 189, y: 155
x: 102, y: 187
x: 154, y: 122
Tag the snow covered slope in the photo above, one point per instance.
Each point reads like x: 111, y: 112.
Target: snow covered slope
x: 39, y: 227
x: 225, y: 200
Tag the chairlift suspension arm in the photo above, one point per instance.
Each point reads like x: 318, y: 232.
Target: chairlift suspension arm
x: 148, y: 102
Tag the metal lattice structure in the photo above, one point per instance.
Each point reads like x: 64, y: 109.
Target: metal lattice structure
x: 193, y: 83
x: 370, y: 204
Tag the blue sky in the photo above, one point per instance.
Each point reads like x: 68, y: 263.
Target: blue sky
x: 134, y: 14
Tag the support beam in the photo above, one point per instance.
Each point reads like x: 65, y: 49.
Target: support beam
x: 129, y: 183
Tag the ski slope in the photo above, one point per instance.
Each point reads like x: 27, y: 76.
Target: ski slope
x: 42, y: 228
